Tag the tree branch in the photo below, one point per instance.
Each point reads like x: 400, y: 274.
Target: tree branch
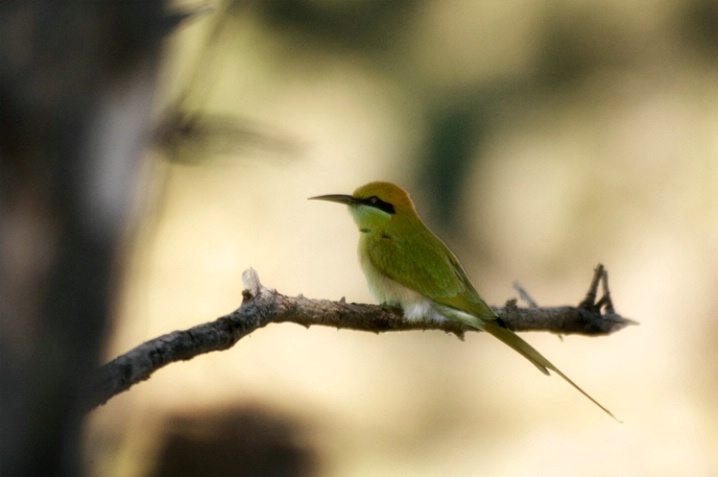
x: 262, y: 306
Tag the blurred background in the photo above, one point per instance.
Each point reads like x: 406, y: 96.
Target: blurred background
x: 538, y: 139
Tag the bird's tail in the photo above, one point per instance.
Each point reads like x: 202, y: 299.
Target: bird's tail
x: 527, y: 351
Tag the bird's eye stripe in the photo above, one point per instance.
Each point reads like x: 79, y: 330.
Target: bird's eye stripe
x: 376, y: 202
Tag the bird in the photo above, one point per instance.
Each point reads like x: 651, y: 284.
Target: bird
x: 407, y: 265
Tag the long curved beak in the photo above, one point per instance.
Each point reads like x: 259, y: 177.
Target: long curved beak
x: 340, y: 198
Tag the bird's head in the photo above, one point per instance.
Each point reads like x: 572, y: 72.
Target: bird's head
x: 373, y: 206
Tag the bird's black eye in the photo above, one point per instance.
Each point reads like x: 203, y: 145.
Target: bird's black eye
x: 373, y: 200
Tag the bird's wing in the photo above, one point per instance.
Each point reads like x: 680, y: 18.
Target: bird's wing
x: 425, y: 264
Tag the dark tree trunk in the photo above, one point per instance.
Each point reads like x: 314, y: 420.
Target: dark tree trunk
x: 75, y: 94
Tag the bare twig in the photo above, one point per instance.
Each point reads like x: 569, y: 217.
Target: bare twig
x: 262, y: 306
x: 589, y: 302
x: 524, y: 295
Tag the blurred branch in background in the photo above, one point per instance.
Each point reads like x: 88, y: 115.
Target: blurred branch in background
x: 196, y: 137
x: 188, y: 131
x: 263, y: 306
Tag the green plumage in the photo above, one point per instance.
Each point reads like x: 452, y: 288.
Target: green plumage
x: 419, y: 260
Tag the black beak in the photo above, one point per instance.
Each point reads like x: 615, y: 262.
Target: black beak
x: 340, y: 198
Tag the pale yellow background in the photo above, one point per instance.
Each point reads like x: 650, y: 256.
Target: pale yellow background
x: 622, y: 169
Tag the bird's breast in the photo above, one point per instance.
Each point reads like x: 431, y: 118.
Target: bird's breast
x: 416, y: 306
